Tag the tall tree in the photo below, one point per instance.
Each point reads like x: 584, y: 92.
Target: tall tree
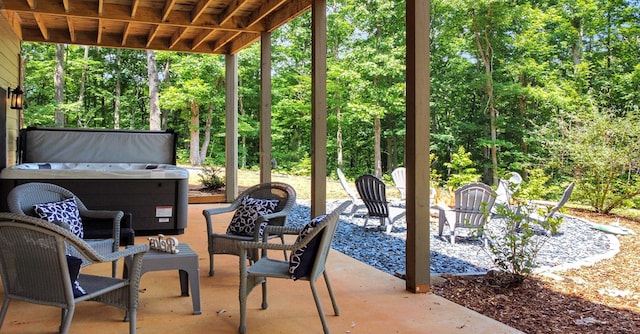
x: 58, y: 80
x: 154, y: 106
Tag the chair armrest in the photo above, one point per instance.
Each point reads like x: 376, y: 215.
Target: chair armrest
x: 131, y: 250
x: 264, y: 245
x: 209, y: 213
x: 112, y: 217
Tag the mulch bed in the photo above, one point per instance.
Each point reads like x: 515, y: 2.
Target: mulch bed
x: 602, y: 298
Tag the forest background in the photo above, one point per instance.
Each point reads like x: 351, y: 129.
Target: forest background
x: 549, y: 89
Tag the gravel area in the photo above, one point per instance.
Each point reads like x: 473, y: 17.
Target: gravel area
x: 575, y: 244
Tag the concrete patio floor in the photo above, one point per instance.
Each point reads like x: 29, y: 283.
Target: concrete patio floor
x: 370, y: 301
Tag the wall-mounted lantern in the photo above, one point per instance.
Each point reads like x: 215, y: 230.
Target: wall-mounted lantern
x: 15, y: 97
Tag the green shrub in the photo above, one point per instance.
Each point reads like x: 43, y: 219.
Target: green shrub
x: 210, y: 177
x: 516, y: 244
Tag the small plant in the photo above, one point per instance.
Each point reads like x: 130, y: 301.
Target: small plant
x: 516, y: 243
x: 210, y: 178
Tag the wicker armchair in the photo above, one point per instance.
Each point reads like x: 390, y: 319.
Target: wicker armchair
x: 226, y: 243
x: 317, y: 242
x: 35, y: 269
x: 22, y: 198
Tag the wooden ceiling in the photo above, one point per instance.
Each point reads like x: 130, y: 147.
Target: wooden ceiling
x: 202, y: 26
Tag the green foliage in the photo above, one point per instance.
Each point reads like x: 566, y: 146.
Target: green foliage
x: 516, y: 243
x: 600, y: 149
x: 537, y: 186
x: 462, y: 170
x: 210, y: 177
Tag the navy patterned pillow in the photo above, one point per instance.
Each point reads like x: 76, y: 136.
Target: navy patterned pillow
x: 244, y: 219
x: 65, y: 211
x: 301, y: 260
x: 74, y: 263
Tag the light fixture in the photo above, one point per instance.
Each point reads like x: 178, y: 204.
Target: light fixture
x: 15, y: 97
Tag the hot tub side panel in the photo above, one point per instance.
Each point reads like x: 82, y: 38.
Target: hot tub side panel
x: 156, y: 205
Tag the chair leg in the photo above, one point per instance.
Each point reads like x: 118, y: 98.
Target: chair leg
x: 114, y: 269
x: 133, y: 313
x: 67, y: 315
x: 211, y: 272
x: 336, y: 311
x: 316, y: 298
x: 5, y: 307
x: 265, y: 304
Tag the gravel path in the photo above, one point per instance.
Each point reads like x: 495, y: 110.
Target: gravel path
x: 576, y: 244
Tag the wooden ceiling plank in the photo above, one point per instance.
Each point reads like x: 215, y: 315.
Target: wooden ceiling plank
x: 72, y: 30
x: 121, y: 13
x: 125, y: 33
x: 134, y: 7
x: 43, y: 28
x: 231, y: 9
x: 168, y: 7
x: 152, y: 35
x: 176, y: 37
x: 100, y: 30
x: 15, y: 22
x: 201, y: 38
x: 221, y: 42
x: 199, y: 9
x: 291, y: 10
x: 266, y: 9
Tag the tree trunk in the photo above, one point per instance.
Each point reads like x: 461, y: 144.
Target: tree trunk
x: 376, y: 142
x: 339, y: 135
x: 83, y: 82
x: 58, y: 82
x: 207, y: 134
x: 154, y: 107
x: 486, y: 56
x: 194, y: 130
x: 117, y: 90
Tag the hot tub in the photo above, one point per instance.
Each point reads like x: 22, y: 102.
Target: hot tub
x: 132, y: 171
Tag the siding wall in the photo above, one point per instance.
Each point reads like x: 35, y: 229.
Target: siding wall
x: 9, y: 71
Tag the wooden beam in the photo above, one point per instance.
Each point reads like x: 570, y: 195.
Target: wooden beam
x: 199, y: 9
x: 100, y: 7
x: 43, y: 28
x: 134, y: 7
x: 125, y: 33
x: 100, y: 29
x: 201, y: 38
x: 176, y: 37
x: 266, y: 9
x: 72, y: 30
x: 265, y: 108
x: 418, y: 218
x: 122, y: 13
x: 32, y: 4
x: 168, y: 7
x: 232, y: 8
x: 222, y: 41
x: 65, y: 4
x: 152, y: 35
x: 231, y: 126
x: 318, y: 107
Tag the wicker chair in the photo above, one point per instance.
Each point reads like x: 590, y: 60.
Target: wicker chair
x: 266, y: 267
x: 22, y: 198
x: 373, y: 193
x: 226, y: 243
x: 35, y: 269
